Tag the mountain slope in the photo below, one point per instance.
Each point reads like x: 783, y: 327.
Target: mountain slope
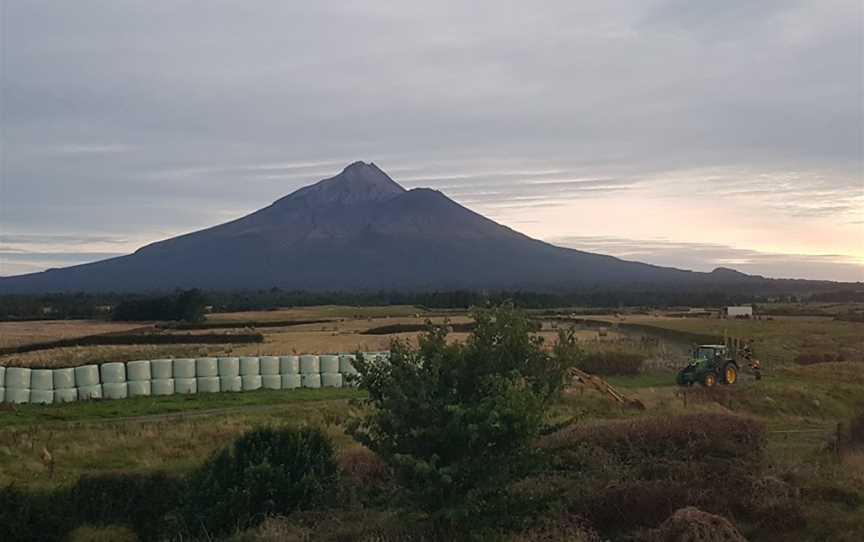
x: 357, y: 230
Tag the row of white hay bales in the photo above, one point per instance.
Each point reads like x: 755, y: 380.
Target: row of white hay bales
x: 119, y: 380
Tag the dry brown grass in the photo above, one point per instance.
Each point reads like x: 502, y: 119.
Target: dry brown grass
x: 74, y: 356
x: 21, y: 333
x: 319, y: 312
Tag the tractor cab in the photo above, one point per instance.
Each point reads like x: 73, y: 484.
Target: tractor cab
x: 710, y: 364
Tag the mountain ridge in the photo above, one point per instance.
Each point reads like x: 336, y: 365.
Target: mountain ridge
x: 360, y: 229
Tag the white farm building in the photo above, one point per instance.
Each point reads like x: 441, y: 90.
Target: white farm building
x: 743, y: 311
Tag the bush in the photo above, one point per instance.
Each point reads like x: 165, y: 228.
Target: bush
x: 612, y: 363
x: 31, y: 517
x: 451, y: 418
x: 139, y: 501
x: 813, y: 358
x: 266, y: 472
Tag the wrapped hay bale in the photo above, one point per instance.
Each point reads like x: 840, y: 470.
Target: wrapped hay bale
x: 309, y: 364
x: 328, y: 364
x: 331, y: 380
x: 86, y: 393
x: 250, y: 366
x: 208, y: 384
x: 206, y: 367
x: 41, y: 379
x: 42, y: 397
x: 269, y: 365
x: 346, y: 364
x: 231, y: 383
x: 289, y: 365
x: 185, y: 386
x: 64, y: 379
x: 292, y: 381
x: 18, y: 378
x: 138, y: 371
x: 162, y: 386
x: 2, y: 395
x: 229, y: 367
x: 113, y: 373
x: 17, y: 395
x: 311, y: 380
x: 87, y: 376
x: 115, y: 390
x: 251, y: 382
x: 184, y: 368
x: 161, y: 369
x: 271, y: 382
x: 139, y: 388
x: 65, y: 395
x: 2, y: 376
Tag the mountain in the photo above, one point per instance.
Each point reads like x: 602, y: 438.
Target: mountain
x: 359, y: 230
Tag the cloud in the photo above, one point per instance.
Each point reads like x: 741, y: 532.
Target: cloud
x: 152, y: 118
x: 708, y: 256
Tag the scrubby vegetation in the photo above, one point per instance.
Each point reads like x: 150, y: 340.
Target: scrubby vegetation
x: 186, y: 306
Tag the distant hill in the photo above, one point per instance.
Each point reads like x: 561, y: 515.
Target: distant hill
x: 362, y: 230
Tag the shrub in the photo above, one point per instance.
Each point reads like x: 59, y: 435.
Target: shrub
x: 140, y: 501
x: 266, y: 472
x: 612, y: 363
x: 450, y: 418
x: 856, y: 431
x: 812, y: 358
x: 31, y: 517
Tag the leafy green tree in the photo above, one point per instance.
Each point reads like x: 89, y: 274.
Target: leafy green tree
x: 455, y: 418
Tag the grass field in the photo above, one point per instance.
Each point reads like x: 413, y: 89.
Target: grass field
x: 801, y: 405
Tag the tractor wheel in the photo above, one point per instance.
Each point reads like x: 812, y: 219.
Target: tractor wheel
x: 710, y: 380
x: 730, y: 373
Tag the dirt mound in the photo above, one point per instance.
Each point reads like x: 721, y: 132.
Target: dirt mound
x: 693, y: 525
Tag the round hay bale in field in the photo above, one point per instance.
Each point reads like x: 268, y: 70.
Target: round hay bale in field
x: 346, y: 364
x: 250, y: 366
x: 184, y: 368
x: 2, y: 376
x: 312, y: 380
x: 229, y: 367
x: 331, y: 380
x: 17, y: 395
x: 328, y: 364
x: 139, y: 388
x: 65, y: 395
x: 18, y: 378
x: 85, y: 393
x: 113, y: 373
x: 269, y: 365
x: 41, y: 379
x: 231, y: 383
x: 86, y: 376
x: 162, y: 386
x: 292, y: 381
x: 251, y: 382
x: 64, y: 379
x: 309, y: 364
x: 185, y: 386
x: 138, y: 371
x: 115, y: 390
x: 206, y: 367
x: 289, y: 365
x: 271, y: 382
x: 162, y: 369
x: 41, y: 397
x: 208, y: 384
x: 693, y: 525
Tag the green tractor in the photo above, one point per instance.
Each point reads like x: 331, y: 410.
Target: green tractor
x: 711, y: 364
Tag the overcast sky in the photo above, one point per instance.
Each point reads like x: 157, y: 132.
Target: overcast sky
x: 693, y: 134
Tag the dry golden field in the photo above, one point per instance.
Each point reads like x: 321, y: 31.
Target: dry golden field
x: 21, y: 333
x: 343, y: 334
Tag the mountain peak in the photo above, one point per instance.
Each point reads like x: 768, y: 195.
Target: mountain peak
x: 359, y: 182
